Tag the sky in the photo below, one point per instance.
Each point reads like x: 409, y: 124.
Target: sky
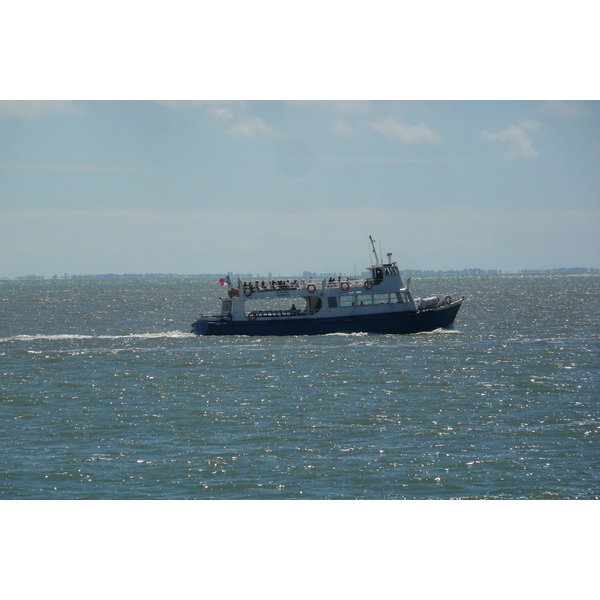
x: 459, y: 135
x: 287, y: 186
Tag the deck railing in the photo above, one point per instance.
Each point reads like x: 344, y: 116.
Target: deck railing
x: 249, y: 288
x: 261, y: 314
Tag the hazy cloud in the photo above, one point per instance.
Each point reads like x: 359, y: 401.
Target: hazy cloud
x: 215, y: 109
x: 220, y: 111
x: 407, y: 134
x: 77, y: 168
x: 46, y: 241
x: 252, y: 127
x: 35, y: 109
x: 229, y: 116
x: 178, y: 104
x: 513, y: 143
x: 341, y: 129
x: 568, y: 109
x: 336, y: 107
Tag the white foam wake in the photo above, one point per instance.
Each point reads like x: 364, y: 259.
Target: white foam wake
x: 78, y: 336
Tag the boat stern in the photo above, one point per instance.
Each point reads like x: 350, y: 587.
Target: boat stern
x: 200, y: 327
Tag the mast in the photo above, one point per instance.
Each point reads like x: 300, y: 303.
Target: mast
x: 377, y: 263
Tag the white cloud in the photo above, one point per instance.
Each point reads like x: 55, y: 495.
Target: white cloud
x: 35, y: 109
x: 252, y: 127
x: 407, y: 134
x: 220, y: 111
x: 513, y: 143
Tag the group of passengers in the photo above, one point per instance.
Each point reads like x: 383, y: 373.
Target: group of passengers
x: 281, y: 284
x: 333, y: 282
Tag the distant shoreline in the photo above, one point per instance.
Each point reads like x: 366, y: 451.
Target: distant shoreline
x: 306, y: 274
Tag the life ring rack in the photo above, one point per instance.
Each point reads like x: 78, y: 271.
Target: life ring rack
x: 311, y: 288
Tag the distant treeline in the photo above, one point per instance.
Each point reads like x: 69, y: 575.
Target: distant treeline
x: 562, y: 271
x: 417, y: 272
x: 137, y: 276
x: 566, y: 271
x: 309, y: 274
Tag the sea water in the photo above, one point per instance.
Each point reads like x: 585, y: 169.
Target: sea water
x: 104, y: 394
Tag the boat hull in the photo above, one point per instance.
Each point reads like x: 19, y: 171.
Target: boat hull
x: 395, y: 322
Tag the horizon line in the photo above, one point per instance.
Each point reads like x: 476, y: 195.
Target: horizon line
x: 405, y: 272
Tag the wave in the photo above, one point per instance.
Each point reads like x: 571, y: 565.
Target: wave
x: 78, y: 336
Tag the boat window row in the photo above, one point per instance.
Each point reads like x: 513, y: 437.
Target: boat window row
x: 367, y: 299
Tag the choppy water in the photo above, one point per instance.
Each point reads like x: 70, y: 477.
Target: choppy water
x: 104, y: 394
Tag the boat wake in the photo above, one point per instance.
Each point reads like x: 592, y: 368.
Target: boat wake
x: 77, y: 336
x: 444, y: 331
x: 348, y: 334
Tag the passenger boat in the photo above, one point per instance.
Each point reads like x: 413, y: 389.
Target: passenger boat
x: 379, y: 303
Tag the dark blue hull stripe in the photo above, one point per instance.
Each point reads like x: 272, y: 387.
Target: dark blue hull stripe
x: 401, y: 322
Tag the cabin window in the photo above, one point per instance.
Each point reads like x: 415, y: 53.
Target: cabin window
x: 381, y: 298
x: 400, y: 297
x: 332, y: 302
x: 370, y: 299
x: 347, y: 300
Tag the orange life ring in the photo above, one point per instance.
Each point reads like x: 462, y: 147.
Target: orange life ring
x: 310, y: 288
x: 368, y: 284
x: 345, y: 286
